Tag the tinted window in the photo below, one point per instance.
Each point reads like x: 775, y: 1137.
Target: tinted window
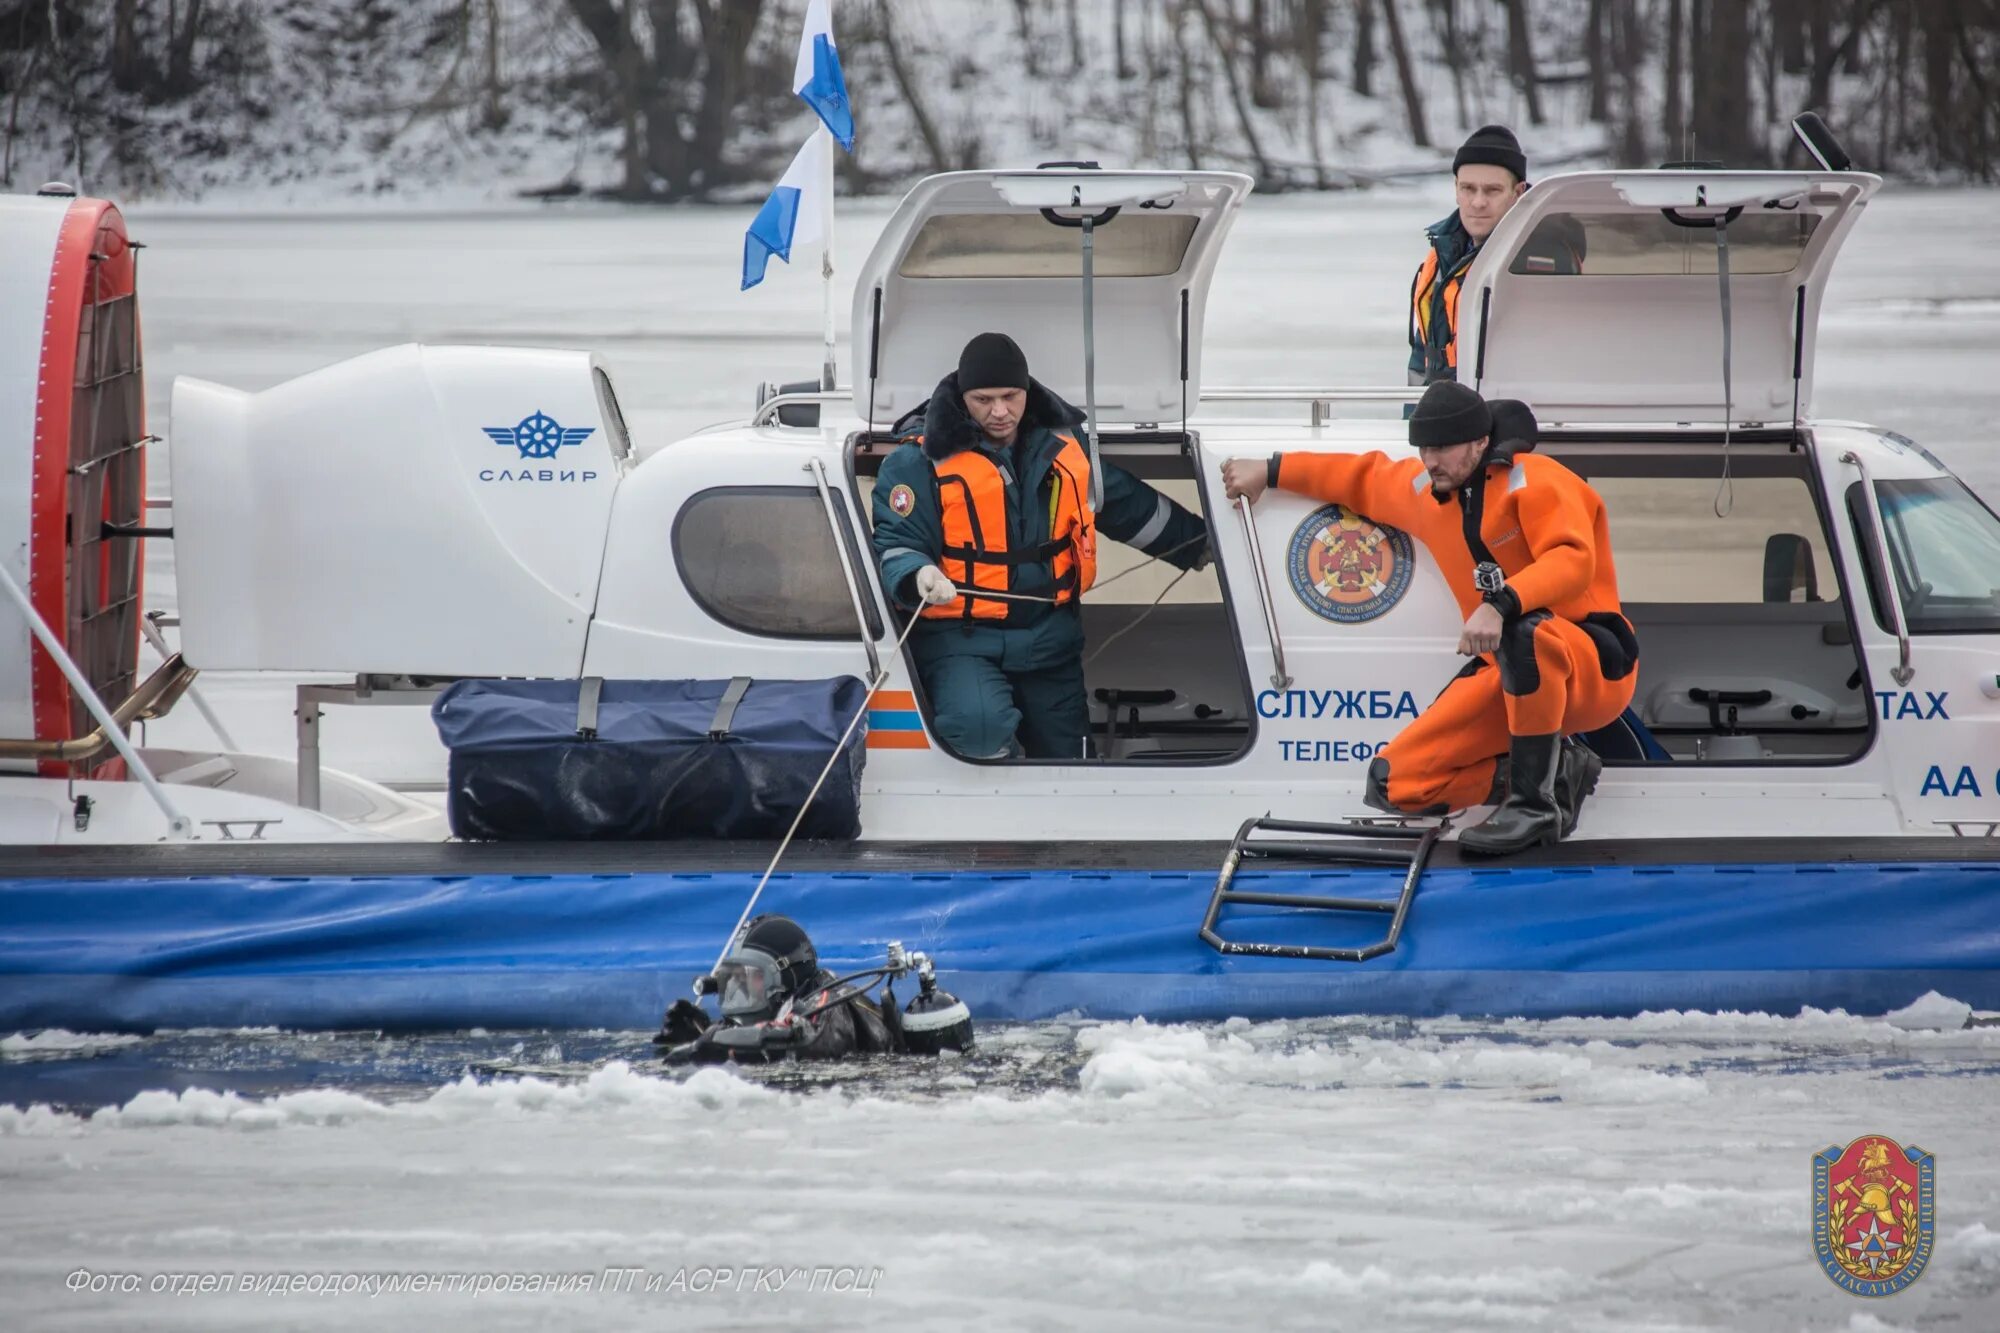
x: 762, y: 560
x: 1027, y: 245
x: 1653, y: 244
x: 1944, y: 546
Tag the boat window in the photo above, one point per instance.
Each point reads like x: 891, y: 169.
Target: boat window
x: 761, y: 559
x: 1652, y: 244
x: 1944, y: 546
x: 1670, y: 546
x: 1026, y: 245
x: 1746, y: 649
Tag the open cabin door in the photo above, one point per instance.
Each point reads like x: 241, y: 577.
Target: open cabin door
x: 976, y: 251
x: 1637, y: 327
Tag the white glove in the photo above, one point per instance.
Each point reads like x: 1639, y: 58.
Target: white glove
x: 934, y: 587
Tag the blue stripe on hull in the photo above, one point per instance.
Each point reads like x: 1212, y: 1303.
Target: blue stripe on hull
x: 613, y: 950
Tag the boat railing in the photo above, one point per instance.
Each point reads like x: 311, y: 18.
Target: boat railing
x: 1319, y: 403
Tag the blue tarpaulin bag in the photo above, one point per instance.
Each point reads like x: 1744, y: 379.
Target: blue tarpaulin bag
x: 567, y: 760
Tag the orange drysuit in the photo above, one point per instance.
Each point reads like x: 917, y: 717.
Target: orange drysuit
x: 1568, y: 660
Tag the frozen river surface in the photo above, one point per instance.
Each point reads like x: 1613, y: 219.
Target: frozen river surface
x: 1635, y: 1174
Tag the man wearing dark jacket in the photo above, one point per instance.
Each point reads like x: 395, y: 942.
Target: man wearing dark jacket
x: 1489, y: 174
x: 984, y: 528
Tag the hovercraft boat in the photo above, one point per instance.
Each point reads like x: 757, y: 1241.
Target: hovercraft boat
x: 1799, y: 810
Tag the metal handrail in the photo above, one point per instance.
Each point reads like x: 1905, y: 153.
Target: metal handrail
x: 1280, y: 678
x: 853, y: 575
x: 1319, y: 399
x: 1363, y: 393
x: 151, y: 698
x: 1903, y: 671
x: 178, y: 825
x: 767, y: 410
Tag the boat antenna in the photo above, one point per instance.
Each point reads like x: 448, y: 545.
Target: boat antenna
x: 881, y: 678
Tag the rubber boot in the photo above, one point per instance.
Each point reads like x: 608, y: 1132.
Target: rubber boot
x: 1528, y: 817
x: 1576, y: 778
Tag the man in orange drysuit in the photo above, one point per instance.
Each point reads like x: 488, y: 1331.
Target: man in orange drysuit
x: 1523, y: 543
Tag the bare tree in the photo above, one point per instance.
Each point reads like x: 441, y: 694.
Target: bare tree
x: 1597, y: 57
x: 1125, y: 70
x: 1024, y: 21
x: 677, y: 94
x: 180, y: 49
x: 1363, y: 78
x: 1224, y: 53
x: 128, y: 71
x: 1720, y: 99
x: 1413, y: 100
x: 1186, y: 85
x: 1444, y: 17
x: 907, y: 86
x: 1521, y: 58
x: 1674, y: 111
x: 1263, y: 91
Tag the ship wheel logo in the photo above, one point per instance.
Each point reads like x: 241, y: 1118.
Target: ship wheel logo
x: 1348, y: 569
x: 538, y: 435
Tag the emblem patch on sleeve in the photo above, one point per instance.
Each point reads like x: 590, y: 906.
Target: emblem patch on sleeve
x: 1874, y: 1214
x: 902, y: 499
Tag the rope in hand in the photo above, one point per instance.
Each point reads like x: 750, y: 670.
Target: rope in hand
x: 882, y: 678
x: 1105, y: 583
x: 895, y: 655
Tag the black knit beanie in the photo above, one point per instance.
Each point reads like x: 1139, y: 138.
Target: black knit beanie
x: 1493, y: 146
x: 1448, y: 414
x: 992, y: 361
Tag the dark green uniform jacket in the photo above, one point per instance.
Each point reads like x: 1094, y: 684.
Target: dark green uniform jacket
x: 1559, y: 240
x: 1036, y: 637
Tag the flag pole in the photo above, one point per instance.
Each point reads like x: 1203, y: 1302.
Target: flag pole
x: 826, y: 370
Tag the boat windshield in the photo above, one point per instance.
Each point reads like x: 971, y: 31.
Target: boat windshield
x: 1653, y: 244
x: 1945, y: 547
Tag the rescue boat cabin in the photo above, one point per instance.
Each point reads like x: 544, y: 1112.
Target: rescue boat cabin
x: 1814, y: 600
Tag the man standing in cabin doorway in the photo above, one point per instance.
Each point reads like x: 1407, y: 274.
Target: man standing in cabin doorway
x: 1524, y: 545
x: 1490, y: 172
x: 984, y: 527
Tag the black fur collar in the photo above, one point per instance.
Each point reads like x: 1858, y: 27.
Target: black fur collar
x: 949, y: 429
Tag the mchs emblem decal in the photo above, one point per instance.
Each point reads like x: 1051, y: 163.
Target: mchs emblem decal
x: 1874, y: 1214
x: 1348, y: 569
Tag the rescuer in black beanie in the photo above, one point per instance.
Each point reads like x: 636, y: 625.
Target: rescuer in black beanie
x: 992, y: 361
x: 1489, y: 175
x: 988, y: 533
x: 1524, y: 545
x: 1493, y: 146
x: 1448, y: 414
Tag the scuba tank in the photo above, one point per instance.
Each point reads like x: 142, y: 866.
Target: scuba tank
x: 778, y: 1015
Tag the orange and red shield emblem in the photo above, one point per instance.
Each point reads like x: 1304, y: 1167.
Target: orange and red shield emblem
x: 1874, y: 1214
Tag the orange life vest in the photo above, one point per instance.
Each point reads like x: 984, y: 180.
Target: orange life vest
x: 972, y: 503
x: 1421, y: 307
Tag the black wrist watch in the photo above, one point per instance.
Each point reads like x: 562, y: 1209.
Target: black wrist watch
x: 1271, y: 472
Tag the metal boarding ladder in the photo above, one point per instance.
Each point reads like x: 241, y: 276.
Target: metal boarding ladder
x: 1398, y: 910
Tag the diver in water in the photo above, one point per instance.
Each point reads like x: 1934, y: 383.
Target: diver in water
x: 778, y: 1003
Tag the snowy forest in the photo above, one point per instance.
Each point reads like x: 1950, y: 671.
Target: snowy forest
x: 673, y: 100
